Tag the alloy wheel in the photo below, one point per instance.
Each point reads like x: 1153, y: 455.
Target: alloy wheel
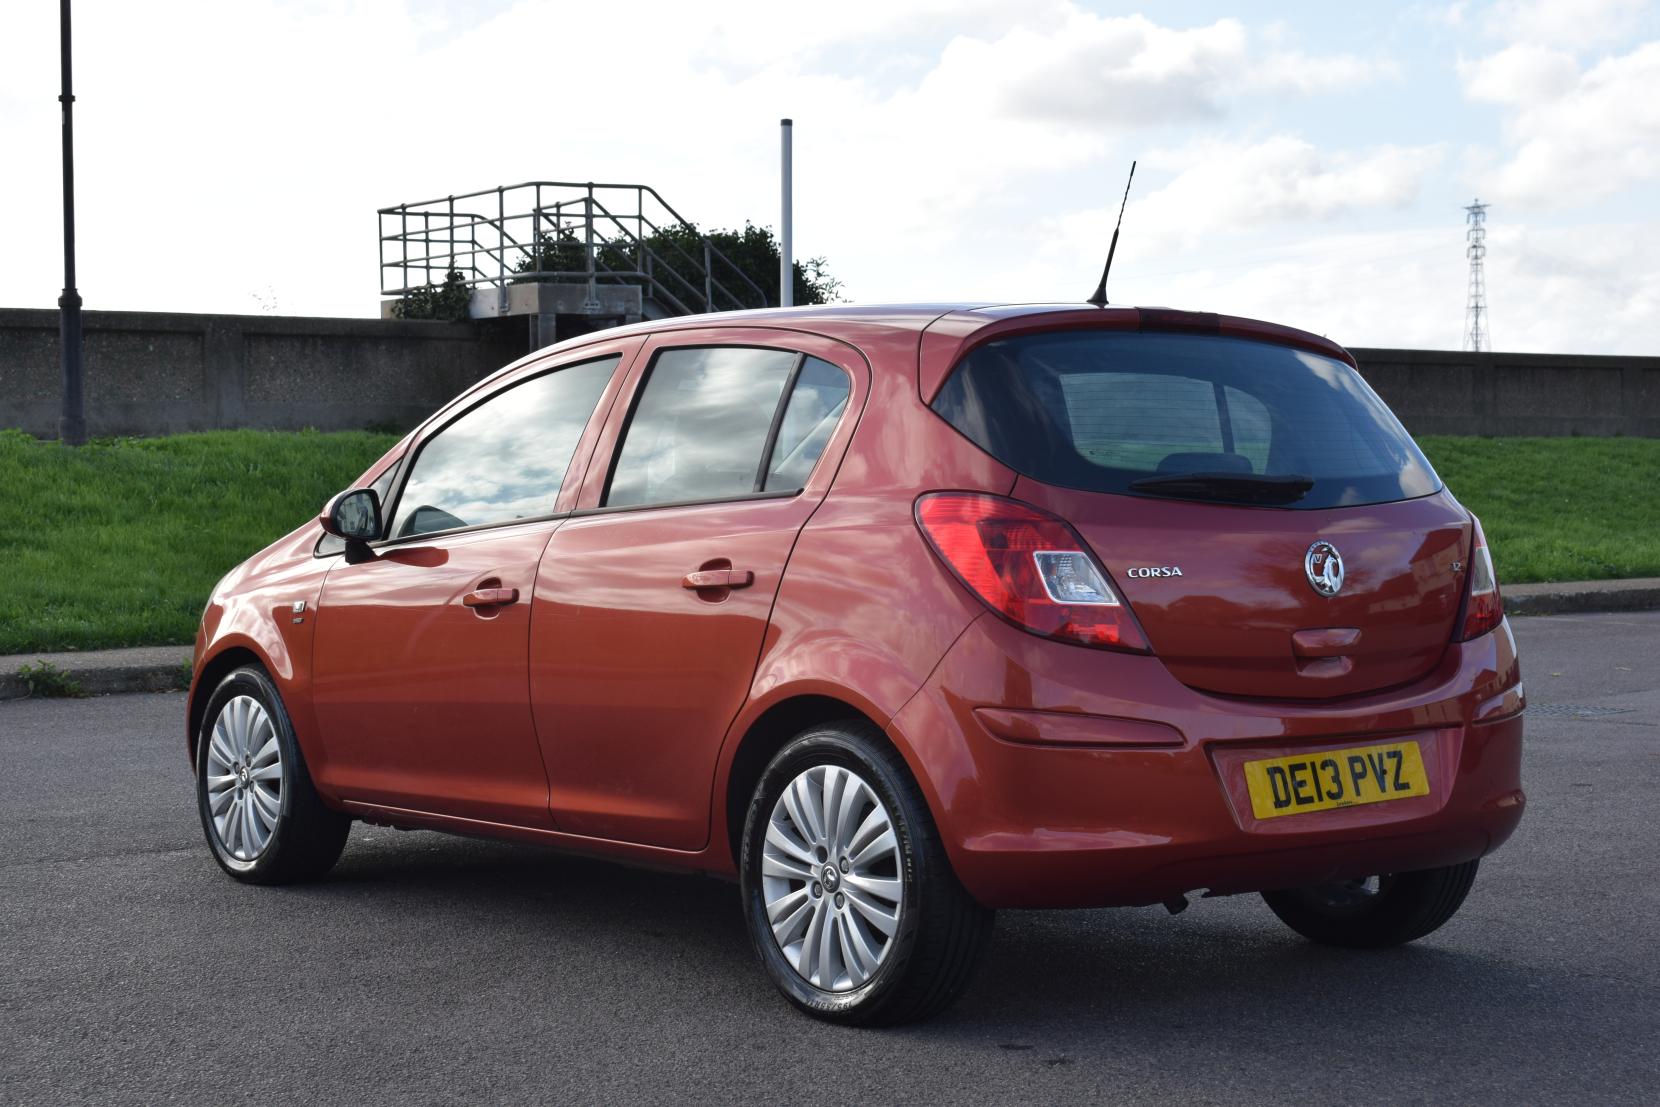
x: 831, y: 878
x: 244, y: 778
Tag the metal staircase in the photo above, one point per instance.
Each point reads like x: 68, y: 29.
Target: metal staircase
x: 554, y: 249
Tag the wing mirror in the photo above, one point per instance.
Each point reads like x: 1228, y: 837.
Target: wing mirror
x: 355, y: 517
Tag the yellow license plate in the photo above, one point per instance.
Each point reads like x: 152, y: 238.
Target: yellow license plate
x: 1335, y: 778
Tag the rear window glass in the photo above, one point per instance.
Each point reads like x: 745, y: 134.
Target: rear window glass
x: 1101, y: 411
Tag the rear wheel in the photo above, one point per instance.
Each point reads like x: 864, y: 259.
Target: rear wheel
x: 263, y: 819
x: 851, y: 902
x: 1377, y: 911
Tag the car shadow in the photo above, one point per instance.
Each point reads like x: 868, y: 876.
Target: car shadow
x: 1052, y: 986
x: 522, y: 887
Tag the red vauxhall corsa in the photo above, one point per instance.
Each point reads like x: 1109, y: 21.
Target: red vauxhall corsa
x: 899, y: 615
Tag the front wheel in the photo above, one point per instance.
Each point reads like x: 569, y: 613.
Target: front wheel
x: 1378, y: 911
x: 263, y: 819
x: 851, y: 902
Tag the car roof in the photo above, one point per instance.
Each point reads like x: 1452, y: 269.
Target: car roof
x: 961, y: 326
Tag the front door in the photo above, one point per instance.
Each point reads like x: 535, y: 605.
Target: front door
x: 420, y: 689
x: 420, y: 658
x: 651, y: 606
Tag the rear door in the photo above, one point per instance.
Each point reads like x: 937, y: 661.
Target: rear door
x: 1275, y: 530
x: 652, y: 601
x: 420, y: 655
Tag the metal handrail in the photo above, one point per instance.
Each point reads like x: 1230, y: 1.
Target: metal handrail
x: 428, y: 239
x: 709, y: 250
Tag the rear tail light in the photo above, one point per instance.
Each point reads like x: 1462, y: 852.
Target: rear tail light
x: 1030, y: 567
x: 1483, y: 607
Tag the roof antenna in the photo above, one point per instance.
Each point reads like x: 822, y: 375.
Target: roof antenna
x: 1099, y: 299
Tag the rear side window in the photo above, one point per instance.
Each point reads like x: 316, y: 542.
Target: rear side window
x: 1104, y: 411
x: 504, y: 459
x: 708, y: 416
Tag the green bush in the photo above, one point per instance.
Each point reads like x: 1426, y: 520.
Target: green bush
x: 447, y: 302
x: 678, y: 264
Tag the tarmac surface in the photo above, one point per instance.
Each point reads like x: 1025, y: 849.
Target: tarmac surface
x: 432, y: 969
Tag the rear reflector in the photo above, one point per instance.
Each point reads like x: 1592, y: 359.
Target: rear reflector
x: 1030, y: 567
x: 1483, y: 606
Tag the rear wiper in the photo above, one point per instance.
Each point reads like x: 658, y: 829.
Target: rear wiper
x: 1239, y: 487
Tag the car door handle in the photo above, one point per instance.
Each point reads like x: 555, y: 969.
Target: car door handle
x: 491, y: 597
x: 718, y: 578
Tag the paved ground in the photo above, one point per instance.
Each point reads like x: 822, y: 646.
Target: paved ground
x: 434, y: 969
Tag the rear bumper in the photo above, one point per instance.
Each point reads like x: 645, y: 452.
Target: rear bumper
x: 1067, y: 777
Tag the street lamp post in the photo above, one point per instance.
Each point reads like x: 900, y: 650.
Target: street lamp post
x: 72, y: 420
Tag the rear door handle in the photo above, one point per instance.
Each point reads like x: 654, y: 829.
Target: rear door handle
x: 718, y: 578
x: 491, y: 597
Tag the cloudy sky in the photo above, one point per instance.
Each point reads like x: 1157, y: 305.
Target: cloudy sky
x: 1302, y: 162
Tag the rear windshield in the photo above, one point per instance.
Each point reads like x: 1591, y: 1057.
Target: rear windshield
x: 1129, y: 412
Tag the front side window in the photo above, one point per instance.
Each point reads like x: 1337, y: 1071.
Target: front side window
x: 706, y: 416
x: 504, y: 459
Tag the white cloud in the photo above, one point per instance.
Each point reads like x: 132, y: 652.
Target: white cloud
x: 1126, y: 71
x: 1307, y: 74
x: 1585, y: 289
x: 1568, y: 24
x: 225, y: 148
x: 229, y: 151
x: 1222, y: 186
x: 1573, y: 134
x: 1525, y: 73
x: 1183, y: 240
x: 1088, y: 70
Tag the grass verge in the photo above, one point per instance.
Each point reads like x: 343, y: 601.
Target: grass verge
x: 119, y: 543
x: 1559, y: 508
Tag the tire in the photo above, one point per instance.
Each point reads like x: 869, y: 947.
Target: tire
x: 263, y: 819
x: 1384, y: 911
x: 937, y: 929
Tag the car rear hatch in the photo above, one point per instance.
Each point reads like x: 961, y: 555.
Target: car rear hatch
x: 1274, y: 529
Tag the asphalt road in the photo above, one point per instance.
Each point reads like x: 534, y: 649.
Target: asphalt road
x: 437, y: 969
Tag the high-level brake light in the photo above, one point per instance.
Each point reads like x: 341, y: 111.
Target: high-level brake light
x: 1030, y: 567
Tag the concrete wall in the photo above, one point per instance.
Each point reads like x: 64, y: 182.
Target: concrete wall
x: 1441, y: 392
x: 160, y: 373
x: 152, y: 373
